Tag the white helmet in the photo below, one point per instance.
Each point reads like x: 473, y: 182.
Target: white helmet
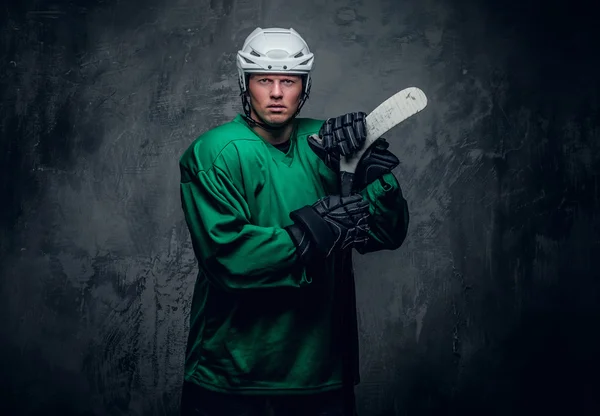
x: 275, y: 50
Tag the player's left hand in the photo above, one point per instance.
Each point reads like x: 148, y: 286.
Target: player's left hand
x: 339, y: 136
x: 374, y: 163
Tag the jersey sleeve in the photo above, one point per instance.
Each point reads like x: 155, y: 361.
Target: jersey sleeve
x: 234, y: 253
x: 389, y: 215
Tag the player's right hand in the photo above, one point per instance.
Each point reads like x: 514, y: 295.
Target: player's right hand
x: 331, y: 224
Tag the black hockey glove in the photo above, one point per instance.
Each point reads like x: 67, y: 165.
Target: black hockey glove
x: 339, y: 136
x: 332, y: 223
x: 374, y: 163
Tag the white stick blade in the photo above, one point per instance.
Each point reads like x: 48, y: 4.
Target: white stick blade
x: 394, y: 111
x: 386, y: 116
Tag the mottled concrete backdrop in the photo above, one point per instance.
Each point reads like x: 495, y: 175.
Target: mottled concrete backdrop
x: 490, y: 308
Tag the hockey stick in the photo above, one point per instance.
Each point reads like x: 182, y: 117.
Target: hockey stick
x: 386, y: 116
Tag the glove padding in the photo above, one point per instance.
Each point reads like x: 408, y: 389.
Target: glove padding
x: 332, y: 223
x: 339, y: 136
x: 374, y: 163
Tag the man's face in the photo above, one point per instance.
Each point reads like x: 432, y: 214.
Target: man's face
x: 274, y: 97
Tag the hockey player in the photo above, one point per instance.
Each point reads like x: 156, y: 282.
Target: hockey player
x: 273, y: 318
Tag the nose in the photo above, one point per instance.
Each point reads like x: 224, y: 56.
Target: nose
x: 276, y: 91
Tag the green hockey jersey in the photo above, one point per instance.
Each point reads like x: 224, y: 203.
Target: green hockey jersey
x: 260, y: 322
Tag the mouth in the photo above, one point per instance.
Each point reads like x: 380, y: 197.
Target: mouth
x: 277, y: 106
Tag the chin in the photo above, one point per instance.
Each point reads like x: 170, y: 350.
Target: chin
x: 277, y: 119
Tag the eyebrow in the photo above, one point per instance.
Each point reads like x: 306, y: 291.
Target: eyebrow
x: 292, y: 76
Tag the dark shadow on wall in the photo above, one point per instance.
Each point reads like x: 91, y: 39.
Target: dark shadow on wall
x: 46, y: 126
x: 515, y: 334
x: 44, y: 70
x: 43, y: 46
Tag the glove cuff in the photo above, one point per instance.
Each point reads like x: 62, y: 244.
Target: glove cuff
x: 315, y: 228
x: 302, y: 242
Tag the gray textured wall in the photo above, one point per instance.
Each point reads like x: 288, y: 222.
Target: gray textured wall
x: 488, y: 308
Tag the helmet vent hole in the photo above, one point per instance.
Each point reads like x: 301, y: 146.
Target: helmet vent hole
x: 253, y: 52
x: 298, y: 55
